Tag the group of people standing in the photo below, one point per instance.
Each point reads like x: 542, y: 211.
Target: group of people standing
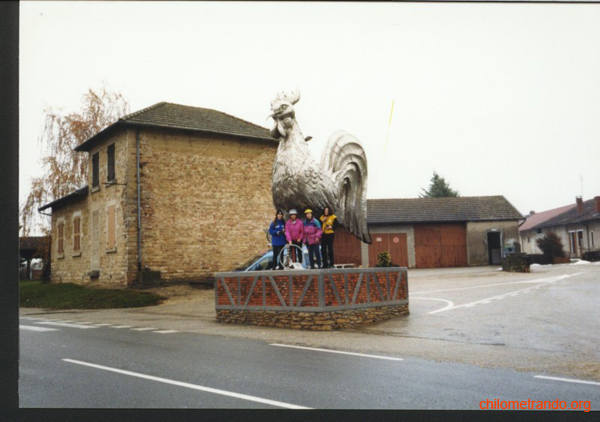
x: 316, y: 234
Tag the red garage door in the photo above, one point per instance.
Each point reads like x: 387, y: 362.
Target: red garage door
x: 346, y: 248
x: 440, y: 245
x: 394, y: 243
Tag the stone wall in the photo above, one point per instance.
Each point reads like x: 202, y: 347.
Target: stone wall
x: 71, y: 266
x: 206, y: 201
x: 322, y: 321
x: 517, y: 263
x: 113, y: 262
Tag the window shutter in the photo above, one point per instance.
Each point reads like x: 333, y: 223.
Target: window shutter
x: 61, y: 229
x: 95, y: 170
x: 110, y: 239
x: 111, y: 163
x: 77, y: 234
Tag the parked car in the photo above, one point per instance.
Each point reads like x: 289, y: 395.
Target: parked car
x: 264, y: 262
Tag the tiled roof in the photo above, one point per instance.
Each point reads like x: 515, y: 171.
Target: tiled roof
x: 432, y: 210
x: 176, y: 116
x: 572, y: 215
x: 33, y: 243
x: 540, y: 217
x: 79, y: 193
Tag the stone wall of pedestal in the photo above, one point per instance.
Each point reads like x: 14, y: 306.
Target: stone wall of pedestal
x: 312, y: 299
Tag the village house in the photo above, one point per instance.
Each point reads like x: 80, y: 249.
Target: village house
x: 577, y: 225
x: 175, y: 193
x: 435, y: 232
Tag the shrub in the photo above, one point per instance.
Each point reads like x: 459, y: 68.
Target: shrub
x: 551, y: 245
x: 384, y: 260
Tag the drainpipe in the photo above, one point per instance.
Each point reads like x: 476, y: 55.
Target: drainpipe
x: 139, y: 210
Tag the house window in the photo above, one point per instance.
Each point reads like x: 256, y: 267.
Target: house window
x: 95, y: 170
x: 592, y: 238
x: 539, y: 231
x: 77, y: 234
x: 61, y: 238
x: 111, y: 163
x: 111, y: 229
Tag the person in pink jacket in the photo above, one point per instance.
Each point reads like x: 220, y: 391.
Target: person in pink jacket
x: 294, y: 234
x: 312, y: 237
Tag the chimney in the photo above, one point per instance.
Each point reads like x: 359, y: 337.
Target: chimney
x: 579, y: 201
x: 597, y: 199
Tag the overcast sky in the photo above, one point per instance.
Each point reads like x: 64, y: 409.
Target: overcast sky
x: 500, y: 99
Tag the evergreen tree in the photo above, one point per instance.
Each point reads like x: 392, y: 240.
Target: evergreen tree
x: 438, y: 188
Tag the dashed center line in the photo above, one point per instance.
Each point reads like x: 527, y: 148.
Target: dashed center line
x: 335, y: 351
x: 144, y: 329
x: 121, y: 326
x: 566, y: 380
x: 34, y: 328
x: 191, y: 386
x: 66, y: 324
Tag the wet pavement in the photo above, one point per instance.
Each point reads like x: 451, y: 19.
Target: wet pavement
x: 544, y: 321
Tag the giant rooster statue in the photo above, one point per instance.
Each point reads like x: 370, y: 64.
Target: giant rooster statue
x: 339, y: 181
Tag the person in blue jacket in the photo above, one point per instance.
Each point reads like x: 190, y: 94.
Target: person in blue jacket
x: 277, y: 231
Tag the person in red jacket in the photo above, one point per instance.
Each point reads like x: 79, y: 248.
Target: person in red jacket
x: 312, y: 237
x: 294, y: 234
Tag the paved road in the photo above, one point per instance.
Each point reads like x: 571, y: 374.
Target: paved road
x: 473, y: 334
x: 66, y: 364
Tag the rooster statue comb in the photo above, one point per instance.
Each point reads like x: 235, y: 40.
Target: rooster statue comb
x: 339, y: 181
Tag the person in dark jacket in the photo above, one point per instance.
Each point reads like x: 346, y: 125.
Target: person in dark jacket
x: 330, y: 224
x: 277, y: 231
x: 312, y: 237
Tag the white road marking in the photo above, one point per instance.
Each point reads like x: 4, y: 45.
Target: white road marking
x: 121, y: 326
x: 449, y: 306
x: 489, y: 299
x: 535, y: 280
x: 34, y: 328
x: 192, y: 386
x: 335, y: 351
x: 102, y: 325
x: 144, y: 329
x: 85, y: 323
x: 567, y: 380
x: 166, y: 331
x: 66, y: 324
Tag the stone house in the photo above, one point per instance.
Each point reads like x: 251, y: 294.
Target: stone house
x: 173, y: 191
x: 578, y: 226
x: 435, y: 232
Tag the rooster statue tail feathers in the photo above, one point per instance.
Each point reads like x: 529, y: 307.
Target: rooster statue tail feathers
x: 345, y: 158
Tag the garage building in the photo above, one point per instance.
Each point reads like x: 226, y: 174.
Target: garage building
x: 435, y: 232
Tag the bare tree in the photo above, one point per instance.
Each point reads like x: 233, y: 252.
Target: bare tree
x: 65, y: 170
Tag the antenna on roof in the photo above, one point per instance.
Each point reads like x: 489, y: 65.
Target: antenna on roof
x: 581, y: 178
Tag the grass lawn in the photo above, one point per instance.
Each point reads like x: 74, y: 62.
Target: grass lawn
x: 35, y: 294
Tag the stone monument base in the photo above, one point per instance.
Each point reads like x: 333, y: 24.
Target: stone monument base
x: 323, y: 300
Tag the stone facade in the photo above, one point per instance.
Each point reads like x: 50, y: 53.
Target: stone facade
x: 477, y: 243
x: 205, y: 201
